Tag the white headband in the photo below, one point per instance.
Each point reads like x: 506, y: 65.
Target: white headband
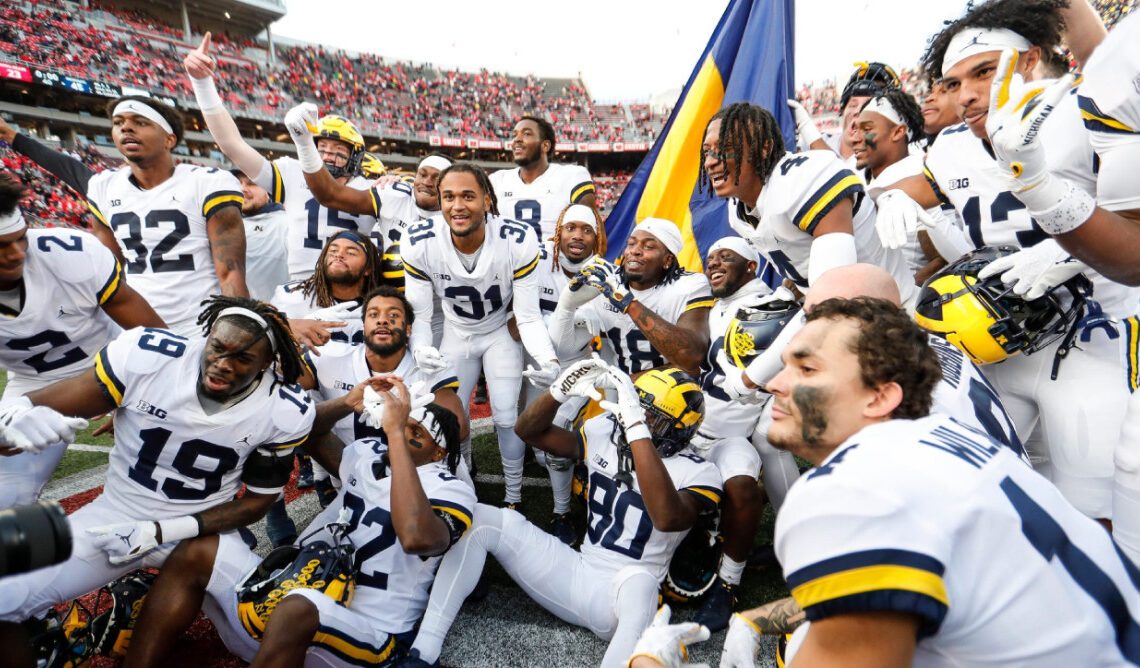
x: 145, y: 110
x: 438, y: 161
x: 580, y: 213
x: 427, y: 419
x: 666, y: 232
x: 12, y: 222
x: 738, y: 246
x: 883, y: 107
x: 246, y: 313
x: 972, y: 41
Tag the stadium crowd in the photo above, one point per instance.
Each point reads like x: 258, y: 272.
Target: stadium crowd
x: 916, y: 337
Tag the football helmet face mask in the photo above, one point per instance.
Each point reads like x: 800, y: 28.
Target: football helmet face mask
x: 341, y: 129
x: 985, y: 320
x: 674, y: 407
x: 317, y: 565
x: 869, y: 80
x: 692, y: 570
x: 754, y: 329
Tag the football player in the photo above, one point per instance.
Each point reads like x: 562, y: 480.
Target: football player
x: 325, y: 306
x: 867, y: 81
x: 53, y: 285
x: 646, y: 489
x: 805, y: 212
x: 539, y: 189
x: 724, y: 436
x: 968, y: 546
x: 339, y: 147
x: 654, y: 313
x: 405, y: 508
x: 176, y: 228
x: 266, y: 265
x: 887, y: 126
x: 195, y: 419
x: 938, y: 112
x: 483, y: 268
x: 1070, y: 416
x: 579, y: 237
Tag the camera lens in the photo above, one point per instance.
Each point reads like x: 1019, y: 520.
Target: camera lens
x: 33, y: 536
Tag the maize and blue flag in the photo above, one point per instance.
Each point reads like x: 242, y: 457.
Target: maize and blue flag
x: 748, y: 59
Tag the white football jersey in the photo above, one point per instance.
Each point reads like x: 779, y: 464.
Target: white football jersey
x: 803, y: 188
x: 395, y: 208
x: 68, y: 275
x: 623, y: 341
x: 551, y: 280
x: 266, y: 261
x: 162, y: 232
x: 1109, y: 100
x: 171, y: 458
x: 474, y: 302
x: 965, y: 395
x: 723, y: 416
x: 392, y: 586
x: 539, y: 203
x: 962, y: 171
x: 310, y: 223
x: 619, y: 532
x: 340, y: 367
x: 290, y: 299
x: 930, y: 518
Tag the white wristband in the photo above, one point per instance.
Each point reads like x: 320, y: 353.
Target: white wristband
x: 206, y: 93
x: 178, y: 528
x: 638, y: 432
x: 1058, y: 205
x: 307, y: 154
x: 809, y: 133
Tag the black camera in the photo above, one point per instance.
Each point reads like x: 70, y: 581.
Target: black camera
x: 33, y: 536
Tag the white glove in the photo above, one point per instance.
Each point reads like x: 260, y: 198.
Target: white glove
x: 373, y: 413
x: 734, y: 385
x: 127, y: 541
x: 301, y: 122
x: 577, y: 293
x: 628, y: 411
x: 581, y: 379
x: 741, y: 643
x: 805, y: 126
x: 665, y: 642
x: 544, y: 374
x: 337, y: 312
x: 1032, y: 271
x: 32, y: 428
x: 898, y: 216
x: 429, y: 359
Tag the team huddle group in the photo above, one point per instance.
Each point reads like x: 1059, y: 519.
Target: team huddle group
x: 951, y: 360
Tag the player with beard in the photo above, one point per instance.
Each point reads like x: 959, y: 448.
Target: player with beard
x: 653, y: 313
x: 176, y: 228
x: 321, y: 307
x: 539, y: 189
x: 266, y: 262
x: 1069, y: 413
x: 195, y: 420
x: 888, y: 125
x: 485, y: 270
x: 339, y: 147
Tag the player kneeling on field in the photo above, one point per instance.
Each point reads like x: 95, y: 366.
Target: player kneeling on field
x: 403, y: 507
x: 646, y: 489
x: 195, y: 419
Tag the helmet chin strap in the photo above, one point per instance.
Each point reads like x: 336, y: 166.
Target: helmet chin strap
x: 573, y: 267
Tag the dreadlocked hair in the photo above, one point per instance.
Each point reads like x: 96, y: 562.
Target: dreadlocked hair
x: 907, y: 108
x: 599, y: 245
x: 288, y: 360
x: 545, y: 132
x: 1039, y: 21
x: 318, y: 284
x: 480, y: 178
x: 740, y: 124
x: 449, y: 423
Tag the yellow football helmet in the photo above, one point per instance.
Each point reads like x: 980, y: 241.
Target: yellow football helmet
x: 341, y: 129
x: 985, y: 320
x: 674, y: 407
x: 754, y: 329
x: 392, y: 267
x: 372, y: 167
x: 315, y: 565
